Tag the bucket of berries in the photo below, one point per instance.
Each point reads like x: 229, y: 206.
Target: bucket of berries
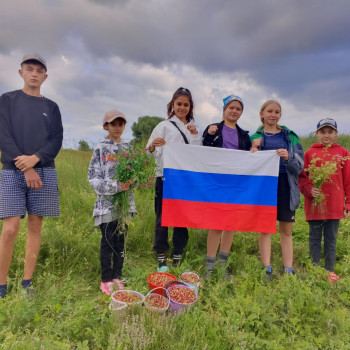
x: 191, y: 280
x: 160, y: 279
x: 180, y: 296
x: 155, y: 301
x: 126, y: 297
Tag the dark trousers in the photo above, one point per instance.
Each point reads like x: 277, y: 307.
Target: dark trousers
x: 180, y: 234
x: 112, y: 251
x: 329, y: 228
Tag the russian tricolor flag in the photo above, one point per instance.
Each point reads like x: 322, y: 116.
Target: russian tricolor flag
x: 220, y: 189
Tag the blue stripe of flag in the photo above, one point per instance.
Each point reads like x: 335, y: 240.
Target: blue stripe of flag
x: 220, y: 188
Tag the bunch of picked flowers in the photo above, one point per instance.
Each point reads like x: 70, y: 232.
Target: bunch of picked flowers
x: 136, y: 167
x: 320, y: 171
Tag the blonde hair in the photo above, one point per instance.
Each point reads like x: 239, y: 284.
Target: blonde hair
x: 263, y: 107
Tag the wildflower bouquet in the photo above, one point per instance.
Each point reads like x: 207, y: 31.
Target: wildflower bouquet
x: 320, y: 171
x: 135, y: 167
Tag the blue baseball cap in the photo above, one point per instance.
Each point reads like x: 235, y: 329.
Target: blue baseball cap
x: 231, y: 98
x: 327, y: 122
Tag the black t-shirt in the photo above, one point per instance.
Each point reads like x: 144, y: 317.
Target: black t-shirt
x: 29, y: 125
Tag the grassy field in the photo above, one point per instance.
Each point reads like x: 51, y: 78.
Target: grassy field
x: 69, y: 311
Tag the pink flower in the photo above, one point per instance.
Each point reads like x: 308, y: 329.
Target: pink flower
x: 128, y: 166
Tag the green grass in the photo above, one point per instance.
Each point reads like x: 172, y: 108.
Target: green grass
x: 342, y: 139
x: 69, y: 311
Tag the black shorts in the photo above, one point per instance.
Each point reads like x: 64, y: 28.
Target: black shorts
x: 283, y: 200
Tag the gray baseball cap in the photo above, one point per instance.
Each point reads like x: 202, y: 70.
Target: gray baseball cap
x: 34, y: 57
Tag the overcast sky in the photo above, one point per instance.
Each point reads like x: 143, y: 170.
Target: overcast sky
x: 132, y: 56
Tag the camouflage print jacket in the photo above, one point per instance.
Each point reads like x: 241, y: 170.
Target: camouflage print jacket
x: 102, y: 177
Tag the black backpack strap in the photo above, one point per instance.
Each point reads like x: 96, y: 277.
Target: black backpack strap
x: 183, y: 135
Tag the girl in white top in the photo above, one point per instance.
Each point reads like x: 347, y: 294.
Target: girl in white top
x: 178, y: 128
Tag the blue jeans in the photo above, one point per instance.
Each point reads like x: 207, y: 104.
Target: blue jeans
x: 329, y: 228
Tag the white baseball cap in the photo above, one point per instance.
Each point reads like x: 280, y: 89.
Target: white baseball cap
x: 34, y: 57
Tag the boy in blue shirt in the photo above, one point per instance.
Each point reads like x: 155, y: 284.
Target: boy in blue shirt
x: 31, y: 136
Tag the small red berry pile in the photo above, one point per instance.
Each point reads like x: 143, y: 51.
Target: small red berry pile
x: 190, y: 277
x: 157, y: 301
x: 126, y: 297
x: 160, y: 279
x: 182, y: 295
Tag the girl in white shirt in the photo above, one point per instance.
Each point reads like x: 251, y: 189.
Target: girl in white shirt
x: 178, y: 128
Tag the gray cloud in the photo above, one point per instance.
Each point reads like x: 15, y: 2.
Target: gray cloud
x: 133, y: 54
x: 215, y: 36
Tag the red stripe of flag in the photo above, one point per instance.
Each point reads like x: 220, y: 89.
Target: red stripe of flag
x: 219, y: 216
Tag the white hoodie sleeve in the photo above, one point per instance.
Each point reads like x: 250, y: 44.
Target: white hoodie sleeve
x: 99, y: 180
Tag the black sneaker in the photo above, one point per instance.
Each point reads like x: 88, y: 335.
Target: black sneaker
x: 176, y: 260
x: 269, y: 275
